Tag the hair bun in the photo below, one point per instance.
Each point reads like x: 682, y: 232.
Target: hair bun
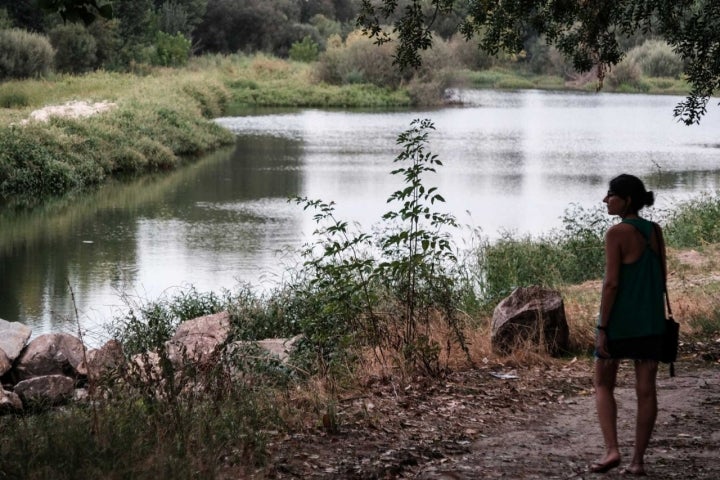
x: 649, y: 199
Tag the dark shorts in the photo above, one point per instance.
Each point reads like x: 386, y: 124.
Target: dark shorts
x: 637, y: 348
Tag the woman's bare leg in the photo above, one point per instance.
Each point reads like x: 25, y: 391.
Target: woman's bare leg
x: 646, y: 390
x: 605, y: 377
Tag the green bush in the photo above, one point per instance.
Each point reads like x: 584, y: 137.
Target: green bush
x: 569, y: 255
x: 305, y: 50
x: 657, y: 59
x: 14, y: 99
x: 24, y: 54
x: 148, y: 325
x: 358, y: 60
x: 171, y: 50
x: 627, y: 72
x: 694, y: 223
x: 469, y: 55
x: 75, y: 48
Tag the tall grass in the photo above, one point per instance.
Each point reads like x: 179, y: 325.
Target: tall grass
x: 572, y: 254
x: 694, y: 223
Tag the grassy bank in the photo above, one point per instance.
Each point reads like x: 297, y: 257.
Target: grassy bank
x: 518, y: 79
x: 159, y: 119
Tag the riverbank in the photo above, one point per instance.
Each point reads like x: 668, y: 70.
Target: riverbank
x: 163, y: 117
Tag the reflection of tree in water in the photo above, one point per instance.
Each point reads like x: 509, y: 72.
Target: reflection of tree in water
x: 85, y: 240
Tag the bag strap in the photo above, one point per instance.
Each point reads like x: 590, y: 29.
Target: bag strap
x: 662, y: 265
x: 667, y: 297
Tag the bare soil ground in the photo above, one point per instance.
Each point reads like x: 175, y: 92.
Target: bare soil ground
x: 540, y: 425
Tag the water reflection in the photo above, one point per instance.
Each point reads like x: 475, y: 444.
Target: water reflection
x: 514, y: 161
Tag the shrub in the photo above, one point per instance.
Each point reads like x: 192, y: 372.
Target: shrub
x: 325, y: 26
x: 24, y: 54
x: 305, y: 50
x: 359, y: 60
x: 570, y: 255
x: 694, y: 223
x: 171, y: 50
x: 14, y: 99
x: 627, y: 72
x: 75, y: 48
x: 469, y: 54
x: 412, y: 274
x: 657, y: 59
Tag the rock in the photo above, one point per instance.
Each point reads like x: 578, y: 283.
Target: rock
x: 146, y: 367
x: 198, y: 339
x: 531, y: 314
x: 13, y: 338
x: 51, y: 354
x: 103, y: 360
x: 279, y: 347
x: 45, y: 390
x: 5, y: 363
x: 9, y: 402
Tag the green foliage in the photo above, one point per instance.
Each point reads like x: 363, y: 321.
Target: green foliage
x: 657, y: 59
x: 627, y: 72
x: 5, y: 21
x: 13, y: 99
x: 173, y: 19
x: 412, y: 276
x: 78, y: 10
x: 570, y: 255
x: 147, y: 326
x: 694, y: 223
x: 305, y: 50
x: 231, y: 26
x: 169, y: 423
x: 24, y: 54
x: 587, y: 33
x: 171, y: 50
x: 326, y: 27
x: 75, y: 48
x: 39, y: 160
x: 470, y: 55
x: 357, y: 60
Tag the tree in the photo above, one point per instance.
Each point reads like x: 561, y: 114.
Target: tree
x: 78, y: 10
x: 586, y: 31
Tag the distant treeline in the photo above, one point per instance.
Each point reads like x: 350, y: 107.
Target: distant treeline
x: 34, y: 41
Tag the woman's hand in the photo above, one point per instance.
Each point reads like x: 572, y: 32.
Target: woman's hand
x: 601, y: 344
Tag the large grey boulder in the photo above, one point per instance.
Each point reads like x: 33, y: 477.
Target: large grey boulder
x: 46, y: 390
x: 13, y: 338
x: 51, y: 354
x: 197, y: 340
x: 533, y: 315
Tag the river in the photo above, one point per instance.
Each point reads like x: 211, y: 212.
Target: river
x: 512, y: 161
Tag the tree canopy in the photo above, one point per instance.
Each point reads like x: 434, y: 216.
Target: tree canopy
x: 78, y: 10
x: 586, y: 31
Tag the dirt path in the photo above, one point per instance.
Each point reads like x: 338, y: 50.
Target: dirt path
x: 474, y: 425
x: 562, y: 442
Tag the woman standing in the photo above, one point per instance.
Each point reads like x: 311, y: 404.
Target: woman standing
x: 632, y: 316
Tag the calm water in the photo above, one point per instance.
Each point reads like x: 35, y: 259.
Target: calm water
x: 513, y: 161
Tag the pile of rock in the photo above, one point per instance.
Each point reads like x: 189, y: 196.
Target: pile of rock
x: 54, y: 368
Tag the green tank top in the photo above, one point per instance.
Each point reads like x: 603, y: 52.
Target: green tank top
x: 639, y: 308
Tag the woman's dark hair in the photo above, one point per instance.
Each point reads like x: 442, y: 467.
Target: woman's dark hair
x: 631, y: 186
